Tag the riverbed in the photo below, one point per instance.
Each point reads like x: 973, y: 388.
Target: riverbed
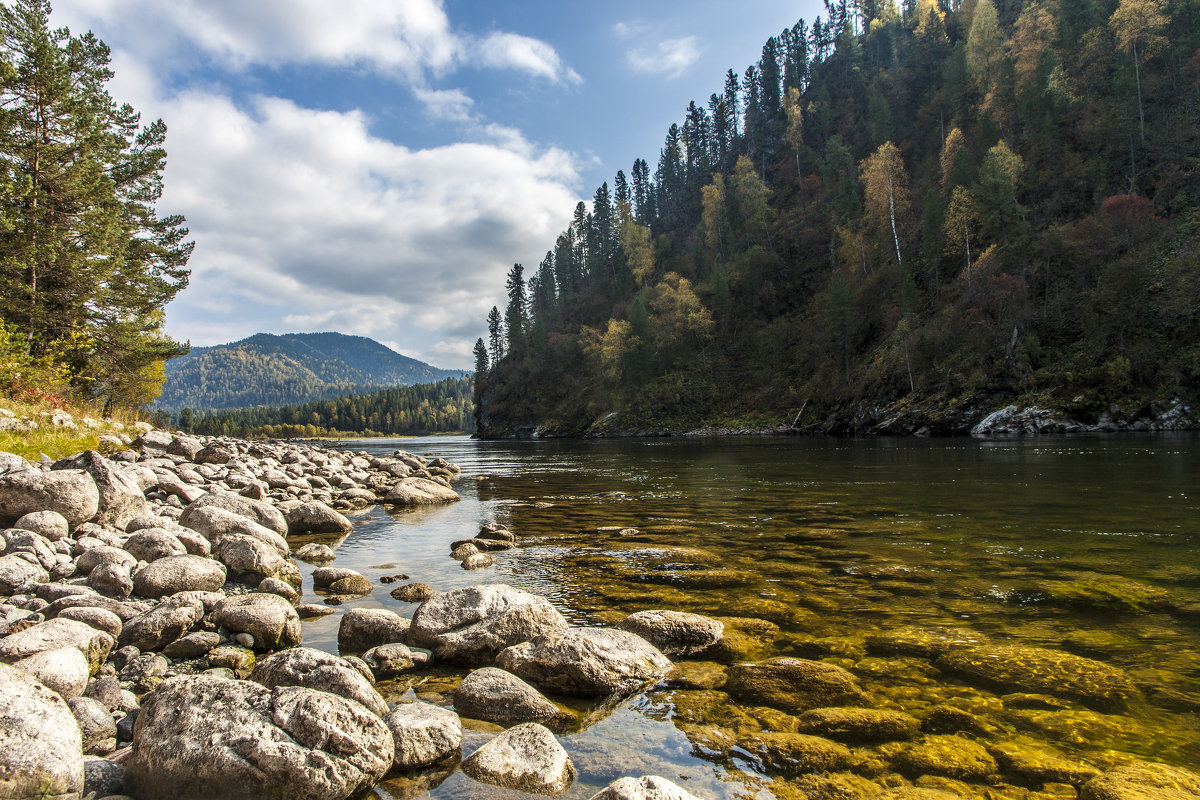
x: 841, y: 550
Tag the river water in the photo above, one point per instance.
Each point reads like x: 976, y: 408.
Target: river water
x: 843, y: 550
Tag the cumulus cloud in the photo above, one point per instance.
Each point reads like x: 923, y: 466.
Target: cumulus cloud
x: 411, y: 40
x: 304, y: 217
x: 451, y: 105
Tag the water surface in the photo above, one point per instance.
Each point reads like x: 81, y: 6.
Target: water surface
x: 1086, y: 545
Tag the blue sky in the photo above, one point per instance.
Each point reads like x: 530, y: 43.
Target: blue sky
x: 375, y: 166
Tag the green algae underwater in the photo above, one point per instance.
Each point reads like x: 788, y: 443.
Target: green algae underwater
x: 1014, y: 616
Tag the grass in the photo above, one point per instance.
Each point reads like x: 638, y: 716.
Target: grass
x: 57, y: 442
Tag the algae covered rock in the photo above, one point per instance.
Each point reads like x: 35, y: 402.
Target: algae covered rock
x: 1143, y: 781
x: 947, y: 756
x: 858, y: 724
x: 796, y: 753
x: 793, y: 684
x: 586, y: 662
x: 929, y: 642
x: 1095, y: 591
x: 1037, y: 669
x: 1039, y: 763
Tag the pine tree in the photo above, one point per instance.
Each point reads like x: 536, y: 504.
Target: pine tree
x: 516, y: 314
x: 495, y: 335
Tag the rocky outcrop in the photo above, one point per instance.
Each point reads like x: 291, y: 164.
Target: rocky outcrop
x: 209, y: 738
x: 586, y: 662
x: 471, y: 625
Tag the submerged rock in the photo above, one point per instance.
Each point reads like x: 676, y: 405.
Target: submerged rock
x: 858, y: 724
x: 586, y: 662
x: 677, y: 634
x: 796, y: 753
x: 1143, y: 781
x: 793, y: 684
x: 948, y: 756
x: 1037, y: 669
x: 527, y: 758
x: 207, y: 738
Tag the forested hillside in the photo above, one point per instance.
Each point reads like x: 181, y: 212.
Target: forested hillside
x: 266, y: 369
x: 399, y: 411
x: 917, y: 213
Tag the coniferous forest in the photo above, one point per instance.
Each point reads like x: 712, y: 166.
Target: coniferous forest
x: 930, y: 208
x: 398, y: 411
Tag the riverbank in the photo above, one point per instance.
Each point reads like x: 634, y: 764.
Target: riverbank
x: 978, y: 416
x: 151, y: 631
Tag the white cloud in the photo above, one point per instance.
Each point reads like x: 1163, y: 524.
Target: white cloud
x: 450, y: 105
x: 513, y: 51
x: 411, y: 39
x: 302, y: 217
x: 671, y: 57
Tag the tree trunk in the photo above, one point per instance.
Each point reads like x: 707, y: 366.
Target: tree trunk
x: 1137, y: 72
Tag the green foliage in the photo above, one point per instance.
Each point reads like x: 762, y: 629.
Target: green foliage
x: 988, y: 198
x: 443, y: 407
x: 86, y: 262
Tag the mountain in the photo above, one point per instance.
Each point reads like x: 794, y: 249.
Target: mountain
x: 902, y: 217
x: 269, y: 369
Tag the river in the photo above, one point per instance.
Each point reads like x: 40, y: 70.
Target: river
x: 827, y: 548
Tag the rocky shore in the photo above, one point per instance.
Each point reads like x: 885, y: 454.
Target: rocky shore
x: 151, y: 647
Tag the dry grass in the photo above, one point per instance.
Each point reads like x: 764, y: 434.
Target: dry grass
x: 58, y: 442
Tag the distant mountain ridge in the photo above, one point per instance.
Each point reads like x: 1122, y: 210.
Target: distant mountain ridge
x: 271, y: 369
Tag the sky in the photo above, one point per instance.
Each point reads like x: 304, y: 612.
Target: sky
x: 375, y: 167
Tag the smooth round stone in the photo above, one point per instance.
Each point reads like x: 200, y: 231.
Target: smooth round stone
x: 423, y: 733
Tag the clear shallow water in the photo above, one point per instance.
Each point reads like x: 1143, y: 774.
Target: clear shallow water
x: 1084, y: 545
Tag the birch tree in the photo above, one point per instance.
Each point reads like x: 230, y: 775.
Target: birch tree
x: 886, y: 182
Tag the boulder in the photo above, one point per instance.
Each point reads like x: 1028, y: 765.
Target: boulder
x: 315, y: 517
x: 472, y: 624
x: 247, y: 559
x: 270, y: 619
x: 1143, y: 780
x: 215, y: 453
x: 163, y: 624
x: 217, y: 523
x: 208, y: 738
x: 96, y: 725
x: 858, y: 725
x: 419, y: 492
x: 121, y: 499
x: 493, y: 695
x: 364, y: 628
x: 54, y: 634
x: 413, y: 592
x: 527, y: 758
x: 793, y: 685
x: 103, y: 779
x: 15, y: 540
x: 424, y: 734
x: 99, y: 618
x: 324, y: 577
x: 111, y: 580
x: 104, y: 554
x: 478, y: 561
x: 69, y: 492
x: 389, y: 660
x: 316, y: 669
x: 586, y: 662
x: 1041, y: 670
x: 677, y: 634
x: 316, y: 553
x: 151, y: 544
x: 49, y: 524
x: 185, y: 573
x: 125, y: 611
x: 258, y: 511
x: 647, y: 787
x: 16, y: 571
x: 65, y: 670
x: 185, y: 446
x: 193, y: 645
x: 41, y: 748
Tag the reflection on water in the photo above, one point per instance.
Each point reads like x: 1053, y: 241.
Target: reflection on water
x: 825, y: 548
